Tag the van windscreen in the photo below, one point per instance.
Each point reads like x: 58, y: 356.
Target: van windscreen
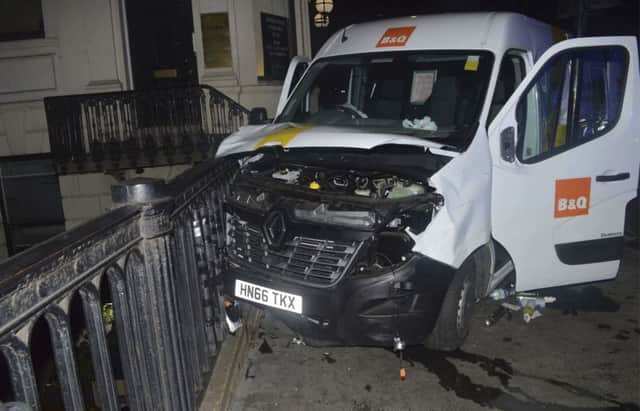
x: 434, y: 95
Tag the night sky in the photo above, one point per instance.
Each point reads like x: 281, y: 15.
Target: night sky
x: 618, y: 16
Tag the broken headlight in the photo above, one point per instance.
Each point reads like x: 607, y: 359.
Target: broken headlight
x: 418, y: 217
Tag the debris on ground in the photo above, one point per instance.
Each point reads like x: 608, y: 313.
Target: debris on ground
x: 265, y: 348
x: 296, y: 341
x: 326, y: 357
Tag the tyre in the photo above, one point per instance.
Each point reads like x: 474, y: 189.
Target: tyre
x: 452, y: 326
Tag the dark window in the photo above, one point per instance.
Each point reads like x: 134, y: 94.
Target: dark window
x: 21, y: 19
x: 552, y: 119
x: 512, y: 71
x: 31, y: 201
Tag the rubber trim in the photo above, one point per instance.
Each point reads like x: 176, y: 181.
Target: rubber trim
x: 591, y: 251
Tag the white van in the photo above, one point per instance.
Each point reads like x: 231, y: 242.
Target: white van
x: 419, y: 161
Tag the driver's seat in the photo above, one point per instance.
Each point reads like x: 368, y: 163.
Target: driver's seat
x: 386, y: 101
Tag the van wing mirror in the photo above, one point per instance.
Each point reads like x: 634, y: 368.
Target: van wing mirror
x: 508, y: 144
x: 296, y: 69
x: 257, y: 116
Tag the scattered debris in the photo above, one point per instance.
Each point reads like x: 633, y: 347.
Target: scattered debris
x: 495, y: 316
x: 232, y: 316
x: 326, y: 357
x: 249, y: 372
x: 265, y: 348
x: 530, y: 313
x: 296, y: 341
x: 511, y: 307
x: 502, y: 293
x: 534, y: 301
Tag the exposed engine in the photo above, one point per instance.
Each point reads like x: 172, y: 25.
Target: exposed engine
x: 285, y: 211
x: 369, y: 184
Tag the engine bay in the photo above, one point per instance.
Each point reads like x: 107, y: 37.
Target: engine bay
x: 375, y: 185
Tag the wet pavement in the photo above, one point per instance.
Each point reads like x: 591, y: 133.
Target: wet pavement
x: 582, y: 354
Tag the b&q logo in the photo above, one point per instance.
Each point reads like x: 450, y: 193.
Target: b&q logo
x: 395, y: 37
x: 572, y: 197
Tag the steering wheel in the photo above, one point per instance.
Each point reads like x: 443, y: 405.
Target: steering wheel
x: 351, y: 110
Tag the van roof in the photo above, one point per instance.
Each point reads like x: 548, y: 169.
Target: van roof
x: 493, y: 31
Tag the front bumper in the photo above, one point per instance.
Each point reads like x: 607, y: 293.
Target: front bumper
x: 361, y: 309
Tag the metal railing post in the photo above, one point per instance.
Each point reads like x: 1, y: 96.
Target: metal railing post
x: 155, y: 298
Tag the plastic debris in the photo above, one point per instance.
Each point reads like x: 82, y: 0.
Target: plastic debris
x: 297, y: 341
x: 530, y: 313
x: 403, y: 373
x: 535, y: 302
x: 495, y: 316
x: 502, y: 293
x: 511, y: 307
x: 232, y: 316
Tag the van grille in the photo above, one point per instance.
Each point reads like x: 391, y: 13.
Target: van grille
x: 313, y: 261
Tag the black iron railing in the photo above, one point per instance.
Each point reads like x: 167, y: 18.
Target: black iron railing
x: 133, y: 296
x: 134, y: 129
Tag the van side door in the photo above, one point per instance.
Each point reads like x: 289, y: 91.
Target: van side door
x: 566, y: 153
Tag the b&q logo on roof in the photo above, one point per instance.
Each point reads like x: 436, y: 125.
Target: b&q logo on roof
x: 395, y: 37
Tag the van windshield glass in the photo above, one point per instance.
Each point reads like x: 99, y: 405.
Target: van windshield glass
x: 432, y: 95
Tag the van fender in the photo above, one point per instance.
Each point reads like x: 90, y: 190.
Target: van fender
x: 463, y: 223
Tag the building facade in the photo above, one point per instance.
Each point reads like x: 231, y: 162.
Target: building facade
x: 60, y: 47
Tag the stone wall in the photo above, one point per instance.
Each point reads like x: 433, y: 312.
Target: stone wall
x: 86, y: 196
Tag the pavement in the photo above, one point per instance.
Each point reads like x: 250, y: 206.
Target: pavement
x: 582, y: 354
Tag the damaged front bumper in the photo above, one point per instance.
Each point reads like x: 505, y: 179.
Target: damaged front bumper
x: 360, y: 309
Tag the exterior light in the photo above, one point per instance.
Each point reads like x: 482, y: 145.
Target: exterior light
x: 321, y: 20
x: 324, y: 6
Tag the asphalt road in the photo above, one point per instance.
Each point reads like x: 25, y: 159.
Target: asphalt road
x: 582, y: 354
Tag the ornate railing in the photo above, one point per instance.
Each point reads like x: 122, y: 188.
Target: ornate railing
x: 135, y: 129
x: 125, y: 309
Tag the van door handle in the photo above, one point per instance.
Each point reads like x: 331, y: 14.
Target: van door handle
x: 613, y: 177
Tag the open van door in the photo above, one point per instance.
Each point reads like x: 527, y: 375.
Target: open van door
x: 296, y: 69
x: 566, y: 156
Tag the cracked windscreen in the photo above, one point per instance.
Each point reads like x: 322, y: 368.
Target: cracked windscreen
x: 432, y: 95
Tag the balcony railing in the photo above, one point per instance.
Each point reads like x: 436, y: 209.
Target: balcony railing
x: 135, y: 129
x: 133, y: 296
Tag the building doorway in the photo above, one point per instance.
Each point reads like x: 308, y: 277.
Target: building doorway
x: 160, y: 43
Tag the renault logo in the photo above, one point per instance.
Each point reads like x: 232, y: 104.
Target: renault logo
x: 274, y: 229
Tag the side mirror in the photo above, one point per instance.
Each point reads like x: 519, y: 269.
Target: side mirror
x: 508, y: 144
x: 257, y: 116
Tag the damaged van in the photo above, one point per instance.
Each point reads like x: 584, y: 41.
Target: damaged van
x: 417, y: 162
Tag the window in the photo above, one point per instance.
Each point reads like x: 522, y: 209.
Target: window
x: 20, y: 20
x: 512, y: 71
x: 552, y: 119
x: 31, y: 204
x: 216, y: 40
x: 432, y: 95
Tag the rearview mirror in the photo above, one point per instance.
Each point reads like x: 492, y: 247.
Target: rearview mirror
x: 507, y: 144
x: 257, y: 116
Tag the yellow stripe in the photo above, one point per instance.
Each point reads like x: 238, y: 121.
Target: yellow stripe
x: 283, y: 136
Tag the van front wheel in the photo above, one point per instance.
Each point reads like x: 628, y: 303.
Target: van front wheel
x: 452, y: 326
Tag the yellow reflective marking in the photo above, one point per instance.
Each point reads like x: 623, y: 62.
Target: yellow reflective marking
x: 283, y: 136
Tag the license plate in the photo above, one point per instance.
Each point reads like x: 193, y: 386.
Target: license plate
x: 269, y: 296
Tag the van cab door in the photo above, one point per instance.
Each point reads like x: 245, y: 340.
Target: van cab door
x: 566, y: 155
x: 297, y: 67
